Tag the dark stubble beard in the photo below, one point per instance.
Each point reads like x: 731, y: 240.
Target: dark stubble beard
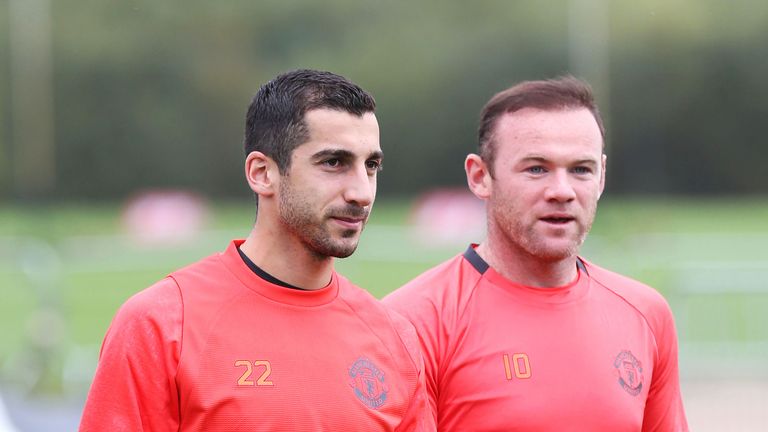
x: 298, y: 217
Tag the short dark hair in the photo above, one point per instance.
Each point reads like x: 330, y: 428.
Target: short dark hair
x: 275, y: 125
x: 566, y: 92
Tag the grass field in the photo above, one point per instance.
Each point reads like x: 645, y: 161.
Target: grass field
x: 65, y: 269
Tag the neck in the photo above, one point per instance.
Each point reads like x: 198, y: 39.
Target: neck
x: 521, y: 267
x: 286, y: 258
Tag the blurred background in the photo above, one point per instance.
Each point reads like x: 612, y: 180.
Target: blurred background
x: 121, y: 159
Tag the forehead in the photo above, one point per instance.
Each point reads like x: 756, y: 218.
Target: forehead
x: 340, y: 129
x: 535, y: 130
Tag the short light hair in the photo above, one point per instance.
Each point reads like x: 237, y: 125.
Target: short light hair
x: 566, y: 92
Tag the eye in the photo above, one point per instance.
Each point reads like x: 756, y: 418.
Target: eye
x: 582, y: 170
x: 536, y: 169
x: 332, y: 163
x: 373, y: 165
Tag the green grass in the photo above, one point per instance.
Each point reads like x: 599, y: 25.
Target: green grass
x: 74, y: 259
x: 98, y: 295
x: 54, y: 222
x: 16, y: 306
x: 619, y: 217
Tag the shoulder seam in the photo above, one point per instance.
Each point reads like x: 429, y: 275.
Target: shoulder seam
x: 183, y: 317
x: 392, y: 326
x: 473, y: 290
x: 645, y: 318
x: 460, y: 313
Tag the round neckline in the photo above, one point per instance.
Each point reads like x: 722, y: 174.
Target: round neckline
x: 559, y: 295
x: 277, y: 293
x: 545, y: 296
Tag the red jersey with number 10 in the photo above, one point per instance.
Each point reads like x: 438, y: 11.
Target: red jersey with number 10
x: 214, y: 347
x: 597, y: 355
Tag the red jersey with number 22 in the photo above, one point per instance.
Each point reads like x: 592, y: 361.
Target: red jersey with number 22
x: 214, y: 347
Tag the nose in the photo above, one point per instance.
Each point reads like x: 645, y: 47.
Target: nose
x: 360, y: 188
x: 560, y: 189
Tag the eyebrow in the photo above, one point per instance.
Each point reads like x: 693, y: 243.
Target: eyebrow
x: 591, y: 162
x: 533, y: 159
x: 343, y: 154
x: 542, y: 159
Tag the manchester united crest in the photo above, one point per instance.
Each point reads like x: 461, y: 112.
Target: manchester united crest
x: 368, y: 383
x: 630, y: 372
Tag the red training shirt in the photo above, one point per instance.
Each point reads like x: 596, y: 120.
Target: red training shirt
x: 213, y: 347
x: 599, y: 354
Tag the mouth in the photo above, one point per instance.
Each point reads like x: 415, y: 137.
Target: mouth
x: 558, y: 219
x: 349, y: 222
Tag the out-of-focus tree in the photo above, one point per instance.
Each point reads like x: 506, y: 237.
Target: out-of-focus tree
x: 153, y: 94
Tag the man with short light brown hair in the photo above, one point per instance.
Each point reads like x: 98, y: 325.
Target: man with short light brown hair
x: 519, y: 333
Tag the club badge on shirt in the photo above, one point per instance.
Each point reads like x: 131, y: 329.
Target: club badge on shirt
x: 367, y: 381
x: 630, y: 372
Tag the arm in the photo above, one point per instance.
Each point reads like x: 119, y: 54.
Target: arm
x: 134, y: 388
x: 423, y: 326
x: 664, y: 407
x: 419, y: 416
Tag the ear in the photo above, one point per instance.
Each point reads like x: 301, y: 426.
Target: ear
x: 478, y: 176
x: 261, y: 173
x: 602, y: 176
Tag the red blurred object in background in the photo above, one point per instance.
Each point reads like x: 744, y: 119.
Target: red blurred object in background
x: 165, y: 217
x: 449, y: 216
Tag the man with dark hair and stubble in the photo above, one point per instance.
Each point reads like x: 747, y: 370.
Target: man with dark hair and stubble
x: 266, y: 336
x: 520, y: 333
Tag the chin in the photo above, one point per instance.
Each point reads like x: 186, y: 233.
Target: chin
x: 344, y: 254
x: 336, y: 249
x: 344, y: 251
x: 554, y: 254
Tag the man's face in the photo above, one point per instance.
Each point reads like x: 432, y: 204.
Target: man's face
x: 327, y: 194
x: 549, y: 172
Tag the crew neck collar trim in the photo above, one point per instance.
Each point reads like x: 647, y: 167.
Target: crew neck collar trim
x: 296, y: 297
x: 568, y: 293
x: 261, y: 273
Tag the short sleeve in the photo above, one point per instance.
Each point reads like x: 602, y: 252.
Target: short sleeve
x: 426, y: 322
x: 664, y: 407
x: 134, y: 388
x: 418, y: 416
